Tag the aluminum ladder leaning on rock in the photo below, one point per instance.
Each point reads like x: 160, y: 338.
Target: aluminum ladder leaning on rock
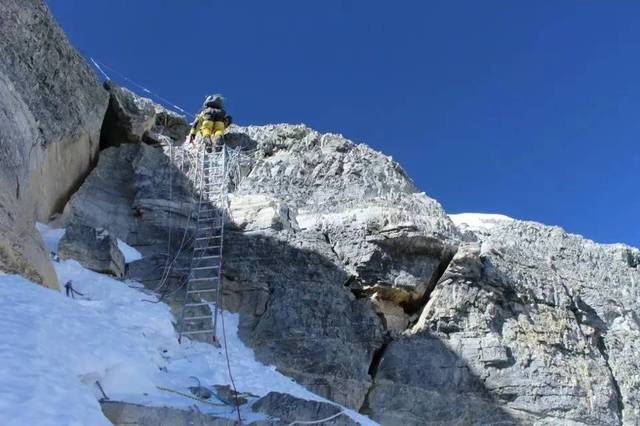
x: 209, y: 174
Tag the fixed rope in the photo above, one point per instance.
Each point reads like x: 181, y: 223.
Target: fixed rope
x: 101, y: 66
x: 315, y: 422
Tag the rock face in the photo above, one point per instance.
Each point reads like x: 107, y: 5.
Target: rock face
x: 51, y: 110
x: 324, y: 225
x: 94, y: 248
x: 287, y: 409
x: 132, y: 119
x: 529, y: 318
x: 135, y: 195
x: 364, y: 290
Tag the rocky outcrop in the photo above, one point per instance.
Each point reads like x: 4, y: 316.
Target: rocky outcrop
x: 285, y: 409
x: 127, y: 414
x: 139, y: 198
x: 297, y: 314
x: 132, y: 119
x: 94, y: 248
x: 536, y: 321
x: 324, y: 226
x: 391, y: 240
x: 51, y: 111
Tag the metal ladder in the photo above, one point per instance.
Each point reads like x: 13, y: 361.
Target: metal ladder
x: 199, y: 316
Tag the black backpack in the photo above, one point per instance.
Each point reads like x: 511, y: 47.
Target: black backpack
x: 214, y: 114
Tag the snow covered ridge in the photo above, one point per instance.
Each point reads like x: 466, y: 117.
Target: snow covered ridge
x: 55, y: 348
x: 479, y: 222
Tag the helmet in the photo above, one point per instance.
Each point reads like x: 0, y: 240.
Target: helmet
x: 214, y: 101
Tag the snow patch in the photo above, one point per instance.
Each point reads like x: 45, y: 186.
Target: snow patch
x: 130, y: 254
x: 479, y: 222
x: 51, y: 236
x: 54, y: 349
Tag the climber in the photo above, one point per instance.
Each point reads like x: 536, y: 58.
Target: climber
x: 210, y: 123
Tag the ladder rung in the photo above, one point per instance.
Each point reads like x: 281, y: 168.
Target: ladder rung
x: 196, y: 332
x: 203, y: 279
x: 206, y: 248
x: 210, y: 228
x: 193, y: 305
x: 196, y: 318
x: 206, y: 257
x: 206, y: 290
x: 208, y: 238
x: 204, y: 268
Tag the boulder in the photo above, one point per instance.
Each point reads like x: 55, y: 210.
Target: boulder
x: 137, y: 196
x: 128, y: 414
x: 133, y: 119
x: 287, y: 409
x: 51, y: 110
x: 94, y: 248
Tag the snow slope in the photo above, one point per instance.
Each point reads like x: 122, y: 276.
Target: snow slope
x: 54, y: 348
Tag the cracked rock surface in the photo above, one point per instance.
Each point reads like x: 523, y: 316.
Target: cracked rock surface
x: 542, y: 324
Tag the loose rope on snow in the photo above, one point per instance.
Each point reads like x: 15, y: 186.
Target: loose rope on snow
x: 186, y: 395
x: 315, y: 422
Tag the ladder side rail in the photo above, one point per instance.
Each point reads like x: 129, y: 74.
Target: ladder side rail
x: 223, y: 207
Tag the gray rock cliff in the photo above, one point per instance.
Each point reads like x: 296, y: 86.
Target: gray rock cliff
x: 51, y: 110
x: 94, y: 248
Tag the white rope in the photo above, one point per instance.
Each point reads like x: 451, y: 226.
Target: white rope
x: 166, y: 101
x: 186, y: 395
x: 100, y: 69
x: 315, y: 422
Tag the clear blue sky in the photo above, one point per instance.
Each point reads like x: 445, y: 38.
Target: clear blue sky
x: 530, y: 109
